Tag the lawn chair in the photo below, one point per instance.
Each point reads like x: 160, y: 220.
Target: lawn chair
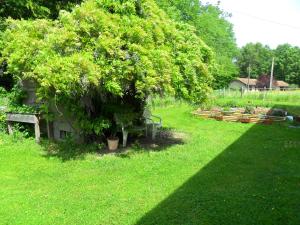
x: 153, y: 122
x: 127, y: 128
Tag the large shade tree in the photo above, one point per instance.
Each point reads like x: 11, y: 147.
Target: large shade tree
x: 108, y: 50
x: 28, y: 9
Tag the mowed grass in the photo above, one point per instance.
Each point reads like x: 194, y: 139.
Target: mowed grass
x: 223, y: 173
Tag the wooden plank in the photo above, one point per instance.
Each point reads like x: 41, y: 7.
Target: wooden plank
x: 22, y: 118
x: 10, y: 128
x: 37, y: 132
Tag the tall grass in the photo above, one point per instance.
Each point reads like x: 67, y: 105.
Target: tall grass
x: 260, y: 97
x: 284, y: 99
x: 280, y: 96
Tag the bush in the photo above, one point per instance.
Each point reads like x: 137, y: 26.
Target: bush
x: 108, y: 51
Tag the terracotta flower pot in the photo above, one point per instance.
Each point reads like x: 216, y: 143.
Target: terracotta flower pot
x: 219, y: 118
x: 113, y: 144
x: 245, y: 120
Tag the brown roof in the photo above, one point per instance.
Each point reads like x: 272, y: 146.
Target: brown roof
x: 281, y: 83
x: 252, y: 82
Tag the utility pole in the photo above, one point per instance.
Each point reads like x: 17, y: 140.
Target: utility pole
x: 249, y: 73
x: 272, y: 73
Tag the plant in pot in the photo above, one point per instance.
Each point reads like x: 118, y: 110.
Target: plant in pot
x: 227, y: 111
x: 249, y: 110
x: 113, y: 139
x: 245, y: 119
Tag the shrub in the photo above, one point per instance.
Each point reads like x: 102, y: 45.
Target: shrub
x: 108, y: 51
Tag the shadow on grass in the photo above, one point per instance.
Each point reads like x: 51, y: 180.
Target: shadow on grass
x: 256, y: 180
x: 68, y: 150
x: 166, y: 138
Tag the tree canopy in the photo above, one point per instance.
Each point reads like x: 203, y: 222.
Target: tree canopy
x: 26, y: 9
x: 109, y: 49
x: 215, y: 30
x: 258, y: 57
x: 287, y: 66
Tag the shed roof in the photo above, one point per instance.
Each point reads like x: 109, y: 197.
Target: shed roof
x: 281, y: 83
x: 252, y: 82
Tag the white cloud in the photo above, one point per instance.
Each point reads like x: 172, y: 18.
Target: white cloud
x: 266, y: 21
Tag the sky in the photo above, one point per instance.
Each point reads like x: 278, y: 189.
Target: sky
x: 271, y: 22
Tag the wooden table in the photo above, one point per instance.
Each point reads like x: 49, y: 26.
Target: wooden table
x: 24, y: 118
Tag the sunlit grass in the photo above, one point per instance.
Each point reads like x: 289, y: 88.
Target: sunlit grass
x: 123, y: 189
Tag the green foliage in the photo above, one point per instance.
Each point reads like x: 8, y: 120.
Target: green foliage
x: 215, y: 30
x: 106, y: 50
x: 34, y: 8
x: 258, y: 57
x: 2, y: 121
x: 287, y: 66
x: 15, y: 101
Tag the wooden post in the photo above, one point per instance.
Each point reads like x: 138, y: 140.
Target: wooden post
x: 10, y: 127
x: 265, y: 92
x: 37, y: 131
x: 49, y: 129
x: 24, y: 118
x: 272, y: 72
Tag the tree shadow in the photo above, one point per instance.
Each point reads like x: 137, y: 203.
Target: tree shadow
x: 166, y: 138
x: 69, y: 150
x: 256, y: 180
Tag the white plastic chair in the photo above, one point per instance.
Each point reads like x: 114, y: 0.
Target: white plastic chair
x: 152, y: 121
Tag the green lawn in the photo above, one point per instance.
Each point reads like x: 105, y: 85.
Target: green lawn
x: 223, y: 173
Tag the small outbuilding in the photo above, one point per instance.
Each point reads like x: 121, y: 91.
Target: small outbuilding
x: 263, y: 82
x: 242, y: 83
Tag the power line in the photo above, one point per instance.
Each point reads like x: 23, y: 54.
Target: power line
x: 267, y: 20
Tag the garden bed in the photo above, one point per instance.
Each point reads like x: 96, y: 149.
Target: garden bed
x: 258, y: 115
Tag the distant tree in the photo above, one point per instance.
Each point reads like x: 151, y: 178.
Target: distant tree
x: 258, y: 57
x: 263, y: 81
x: 213, y: 27
x: 287, y: 63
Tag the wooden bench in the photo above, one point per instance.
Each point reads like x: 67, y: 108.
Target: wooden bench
x: 24, y: 118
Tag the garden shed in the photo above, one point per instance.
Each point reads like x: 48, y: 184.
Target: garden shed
x: 59, y: 127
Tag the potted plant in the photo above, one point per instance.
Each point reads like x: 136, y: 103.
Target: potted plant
x: 249, y: 110
x: 113, y: 140
x: 227, y: 111
x: 245, y: 120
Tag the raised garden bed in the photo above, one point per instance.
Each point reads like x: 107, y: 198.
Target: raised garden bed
x: 238, y: 115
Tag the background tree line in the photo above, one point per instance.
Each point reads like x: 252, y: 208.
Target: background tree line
x: 259, y: 58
